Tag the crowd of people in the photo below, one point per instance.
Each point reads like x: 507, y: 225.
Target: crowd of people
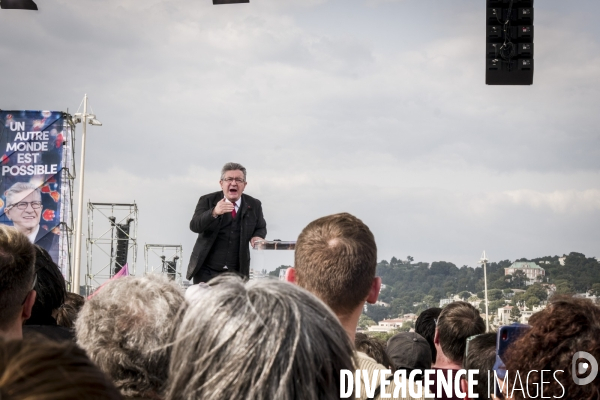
x: 142, y: 337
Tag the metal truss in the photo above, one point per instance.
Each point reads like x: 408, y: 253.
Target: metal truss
x: 164, y: 259
x: 103, y: 222
x: 67, y: 178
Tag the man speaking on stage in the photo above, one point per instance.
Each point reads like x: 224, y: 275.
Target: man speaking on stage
x: 225, y: 221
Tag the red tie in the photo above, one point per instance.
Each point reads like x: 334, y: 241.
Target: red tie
x: 233, y: 213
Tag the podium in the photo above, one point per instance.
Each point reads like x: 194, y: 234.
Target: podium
x: 267, y: 255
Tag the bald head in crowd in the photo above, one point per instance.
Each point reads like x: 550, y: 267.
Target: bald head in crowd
x: 17, y: 279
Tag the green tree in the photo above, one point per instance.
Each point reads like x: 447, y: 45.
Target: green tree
x: 409, y: 259
x: 377, y: 313
x: 464, y: 295
x: 400, y: 306
x: 385, y: 336
x: 519, y: 299
x: 364, y: 321
x: 495, y: 294
x: 564, y: 286
x: 429, y: 301
x: 538, y: 291
x: 532, y: 302
x: 406, y: 326
x: 515, y: 314
x: 443, y: 268
x: 518, y: 279
x: 596, y: 289
x: 494, y: 305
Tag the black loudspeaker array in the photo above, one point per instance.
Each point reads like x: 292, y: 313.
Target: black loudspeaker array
x: 170, y: 268
x: 230, y: 1
x: 122, y: 246
x: 509, y: 42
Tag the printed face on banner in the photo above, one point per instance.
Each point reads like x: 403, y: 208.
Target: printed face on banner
x: 31, y: 144
x: 25, y: 212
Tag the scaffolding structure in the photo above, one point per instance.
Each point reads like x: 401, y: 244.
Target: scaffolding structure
x: 106, y: 236
x: 164, y: 259
x: 67, y: 223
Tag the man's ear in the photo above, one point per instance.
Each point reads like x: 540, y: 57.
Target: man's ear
x: 28, y: 305
x: 464, y: 387
x: 374, y: 292
x: 290, y: 275
x: 436, y: 337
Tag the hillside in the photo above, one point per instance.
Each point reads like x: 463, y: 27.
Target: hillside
x: 413, y: 287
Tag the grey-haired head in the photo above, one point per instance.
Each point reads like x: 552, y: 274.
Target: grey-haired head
x: 231, y: 166
x: 260, y: 340
x: 126, y: 329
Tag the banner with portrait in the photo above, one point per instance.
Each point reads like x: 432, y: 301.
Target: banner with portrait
x: 33, y: 152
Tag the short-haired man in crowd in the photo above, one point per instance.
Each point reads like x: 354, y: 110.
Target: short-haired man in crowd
x: 457, y: 322
x: 336, y: 259
x: 481, y: 356
x: 425, y: 326
x: 17, y: 279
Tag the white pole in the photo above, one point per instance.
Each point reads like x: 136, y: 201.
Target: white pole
x: 487, y: 315
x: 78, y: 233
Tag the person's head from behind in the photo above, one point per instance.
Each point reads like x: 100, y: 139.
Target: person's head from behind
x: 374, y: 348
x: 481, y: 356
x: 17, y: 279
x: 260, y: 340
x: 456, y: 323
x: 67, y: 313
x: 37, y: 368
x: 565, y: 327
x: 336, y: 259
x: 425, y: 326
x: 24, y: 206
x: 409, y: 351
x: 50, y: 288
x: 126, y: 330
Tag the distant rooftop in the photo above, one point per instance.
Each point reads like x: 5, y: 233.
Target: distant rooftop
x: 525, y: 265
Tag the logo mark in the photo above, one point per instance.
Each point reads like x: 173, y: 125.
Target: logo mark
x: 583, y: 367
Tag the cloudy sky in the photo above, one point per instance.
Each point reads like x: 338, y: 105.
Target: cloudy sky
x: 374, y: 107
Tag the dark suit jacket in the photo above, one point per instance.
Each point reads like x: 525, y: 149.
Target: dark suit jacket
x: 207, y: 228
x: 48, y: 241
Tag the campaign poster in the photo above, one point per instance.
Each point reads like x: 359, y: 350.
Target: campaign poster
x: 32, y: 145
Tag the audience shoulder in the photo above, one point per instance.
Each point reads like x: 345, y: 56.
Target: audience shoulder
x: 38, y: 368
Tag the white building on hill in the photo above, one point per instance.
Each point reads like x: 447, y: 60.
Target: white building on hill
x: 388, y: 325
x: 531, y: 270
